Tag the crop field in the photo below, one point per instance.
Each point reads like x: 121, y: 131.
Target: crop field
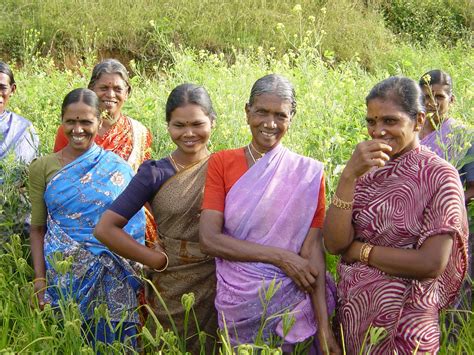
x: 330, y: 90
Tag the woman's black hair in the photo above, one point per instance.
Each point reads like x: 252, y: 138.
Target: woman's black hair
x: 437, y: 76
x: 276, y: 85
x: 5, y: 69
x: 404, y: 92
x: 189, y: 93
x: 86, y: 96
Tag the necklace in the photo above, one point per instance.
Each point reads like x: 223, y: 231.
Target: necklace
x: 253, y: 147
x: 251, y: 154
x: 176, y: 165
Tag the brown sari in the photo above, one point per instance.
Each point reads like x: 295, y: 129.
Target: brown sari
x: 176, y: 208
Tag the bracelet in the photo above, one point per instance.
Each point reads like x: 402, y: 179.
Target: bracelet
x: 166, y: 264
x: 365, y: 253
x: 39, y: 279
x: 343, y: 205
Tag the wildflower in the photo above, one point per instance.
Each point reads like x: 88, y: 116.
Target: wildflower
x: 323, y: 10
x: 187, y: 300
x: 427, y: 78
x: 152, y: 23
x: 297, y: 8
x: 312, y: 19
x: 280, y: 26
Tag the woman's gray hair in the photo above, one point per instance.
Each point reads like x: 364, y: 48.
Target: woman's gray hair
x: 110, y: 66
x: 276, y: 85
x: 404, y: 92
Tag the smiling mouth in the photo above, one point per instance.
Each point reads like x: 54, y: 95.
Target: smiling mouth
x: 190, y: 142
x: 78, y: 139
x: 268, y: 134
x: 109, y: 103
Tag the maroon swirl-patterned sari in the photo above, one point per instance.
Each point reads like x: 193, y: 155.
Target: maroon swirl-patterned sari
x: 412, y: 198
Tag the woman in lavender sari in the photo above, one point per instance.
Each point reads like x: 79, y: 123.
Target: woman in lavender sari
x: 262, y: 213
x: 17, y: 134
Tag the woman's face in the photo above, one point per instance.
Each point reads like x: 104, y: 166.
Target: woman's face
x: 269, y: 118
x: 189, y: 128
x: 112, y: 91
x: 437, y: 101
x: 6, y: 89
x: 80, y: 125
x: 387, y: 122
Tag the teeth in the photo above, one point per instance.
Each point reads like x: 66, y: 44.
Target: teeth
x: 268, y: 134
x: 78, y: 139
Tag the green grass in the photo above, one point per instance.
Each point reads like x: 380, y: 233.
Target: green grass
x: 328, y: 124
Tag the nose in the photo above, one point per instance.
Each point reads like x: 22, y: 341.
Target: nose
x: 110, y: 92
x: 378, y: 131
x: 188, y: 132
x: 77, y: 128
x: 269, y: 123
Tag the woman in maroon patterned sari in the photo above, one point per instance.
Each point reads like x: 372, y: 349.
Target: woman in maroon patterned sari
x: 399, y: 222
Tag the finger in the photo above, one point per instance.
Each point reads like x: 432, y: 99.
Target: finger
x: 379, y: 154
x: 379, y: 144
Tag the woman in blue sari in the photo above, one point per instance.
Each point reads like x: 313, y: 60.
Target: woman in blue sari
x: 69, y: 191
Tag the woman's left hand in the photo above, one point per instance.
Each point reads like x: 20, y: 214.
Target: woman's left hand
x: 327, y: 341
x: 352, y: 254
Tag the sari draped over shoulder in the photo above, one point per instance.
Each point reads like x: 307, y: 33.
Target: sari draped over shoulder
x: 450, y: 142
x: 75, y: 199
x: 18, y: 136
x: 412, y: 198
x: 272, y: 204
x: 127, y: 138
x: 176, y: 208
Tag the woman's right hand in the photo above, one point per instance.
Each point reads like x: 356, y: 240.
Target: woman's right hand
x: 300, y: 270
x: 367, y: 154
x: 39, y: 287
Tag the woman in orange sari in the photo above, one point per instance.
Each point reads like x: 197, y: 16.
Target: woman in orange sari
x: 120, y: 134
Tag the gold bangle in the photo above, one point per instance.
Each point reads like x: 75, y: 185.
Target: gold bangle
x: 39, y: 279
x: 343, y: 205
x: 365, y: 253
x: 166, y: 264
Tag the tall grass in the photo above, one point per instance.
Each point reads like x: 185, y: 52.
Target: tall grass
x: 328, y: 124
x: 67, y: 29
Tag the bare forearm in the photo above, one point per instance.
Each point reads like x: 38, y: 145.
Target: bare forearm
x: 338, y: 231
x: 427, y: 262
x: 37, y: 250
x: 318, y: 297
x: 120, y: 242
x: 229, y: 248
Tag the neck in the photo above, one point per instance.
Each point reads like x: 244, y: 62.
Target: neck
x: 186, y: 159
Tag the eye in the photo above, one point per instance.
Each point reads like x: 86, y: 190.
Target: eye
x: 370, y: 122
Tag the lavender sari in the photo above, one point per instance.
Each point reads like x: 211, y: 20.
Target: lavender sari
x: 272, y: 204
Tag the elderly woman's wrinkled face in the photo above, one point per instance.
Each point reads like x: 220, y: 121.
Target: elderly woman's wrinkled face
x: 269, y: 118
x: 388, y: 123
x: 112, y: 91
x: 437, y: 101
x: 6, y: 89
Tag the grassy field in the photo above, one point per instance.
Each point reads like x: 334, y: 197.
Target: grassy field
x: 330, y: 85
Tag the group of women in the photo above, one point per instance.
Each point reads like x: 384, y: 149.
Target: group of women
x: 241, y: 225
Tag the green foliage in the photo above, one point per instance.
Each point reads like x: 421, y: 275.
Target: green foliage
x: 129, y: 29
x: 423, y: 21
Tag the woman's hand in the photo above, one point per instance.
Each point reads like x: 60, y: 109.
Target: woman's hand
x: 300, y: 270
x: 39, y: 287
x: 366, y: 155
x: 327, y: 341
x: 352, y: 254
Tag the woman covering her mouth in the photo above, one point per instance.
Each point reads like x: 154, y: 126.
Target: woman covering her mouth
x: 69, y: 191
x: 398, y: 220
x: 173, y: 186
x: 261, y: 217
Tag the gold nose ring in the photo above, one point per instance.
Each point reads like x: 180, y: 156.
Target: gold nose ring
x: 265, y: 124
x: 383, y: 133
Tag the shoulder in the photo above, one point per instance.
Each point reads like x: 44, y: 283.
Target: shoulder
x: 155, y: 171
x: 41, y: 164
x: 304, y: 162
x: 228, y: 155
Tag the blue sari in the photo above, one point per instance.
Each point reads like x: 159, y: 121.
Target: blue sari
x: 75, y: 199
